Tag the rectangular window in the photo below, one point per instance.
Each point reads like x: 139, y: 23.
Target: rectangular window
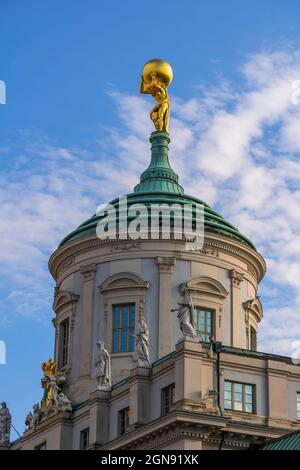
x: 123, y: 328
x: 298, y: 406
x: 239, y: 396
x: 84, y: 439
x: 253, y: 342
x: 42, y: 446
x: 167, y: 399
x: 123, y: 420
x: 64, y: 342
x: 203, y: 319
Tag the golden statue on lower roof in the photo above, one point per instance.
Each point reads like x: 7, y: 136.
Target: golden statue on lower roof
x: 157, y: 75
x: 49, y: 370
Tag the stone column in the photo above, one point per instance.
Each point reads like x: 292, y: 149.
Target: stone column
x: 99, y: 418
x: 236, y: 279
x: 166, y: 269
x: 88, y: 276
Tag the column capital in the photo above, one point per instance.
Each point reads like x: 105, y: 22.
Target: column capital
x: 236, y: 277
x: 166, y: 264
x: 88, y: 272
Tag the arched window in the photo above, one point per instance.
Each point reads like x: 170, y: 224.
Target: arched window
x: 208, y: 296
x: 253, y: 315
x: 122, y: 296
x: 64, y: 306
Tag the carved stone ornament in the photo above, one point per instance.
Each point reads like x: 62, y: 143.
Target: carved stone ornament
x: 236, y: 277
x: 103, y: 367
x: 33, y: 417
x: 66, y: 264
x: 88, y: 272
x: 166, y: 263
x: 5, y: 425
x: 142, y: 339
x: 125, y: 246
x: 208, y: 402
x: 185, y: 314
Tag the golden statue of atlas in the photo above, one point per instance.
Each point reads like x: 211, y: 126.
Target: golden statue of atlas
x: 157, y: 75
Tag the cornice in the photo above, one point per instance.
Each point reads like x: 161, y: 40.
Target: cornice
x: 63, y: 259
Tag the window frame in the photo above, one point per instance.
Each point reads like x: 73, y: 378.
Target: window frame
x: 252, y: 333
x: 298, y: 403
x: 163, y: 410
x: 197, y: 311
x: 65, y: 306
x: 119, y: 288
x: 130, y: 328
x: 64, y: 349
x: 123, y: 415
x: 233, y: 401
x: 41, y: 446
x: 82, y: 438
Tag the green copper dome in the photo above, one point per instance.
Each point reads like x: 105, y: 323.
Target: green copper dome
x: 159, y: 185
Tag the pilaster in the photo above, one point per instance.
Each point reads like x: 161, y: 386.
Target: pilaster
x: 99, y: 418
x: 88, y: 275
x: 139, y: 397
x: 236, y: 280
x: 166, y: 266
x: 193, y: 374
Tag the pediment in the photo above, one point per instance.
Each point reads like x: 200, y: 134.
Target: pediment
x: 207, y: 285
x: 255, y: 307
x: 63, y: 299
x: 123, y: 281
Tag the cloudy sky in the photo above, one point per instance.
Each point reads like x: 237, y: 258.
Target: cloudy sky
x: 74, y: 134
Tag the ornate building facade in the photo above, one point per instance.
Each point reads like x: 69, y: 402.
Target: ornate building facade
x: 133, y: 377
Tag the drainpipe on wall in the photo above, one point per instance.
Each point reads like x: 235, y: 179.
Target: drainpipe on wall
x: 217, y: 347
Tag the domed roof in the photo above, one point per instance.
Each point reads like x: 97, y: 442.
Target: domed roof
x: 159, y: 185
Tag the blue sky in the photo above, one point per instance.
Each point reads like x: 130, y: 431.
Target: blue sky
x: 74, y: 131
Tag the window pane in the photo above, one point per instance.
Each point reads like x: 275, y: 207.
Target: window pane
x: 227, y: 395
x: 124, y: 319
x: 116, y: 341
x: 248, y: 408
x: 124, y: 341
x: 116, y: 316
x: 248, y: 398
x: 167, y: 396
x: 248, y: 389
x: 238, y: 388
x: 238, y: 406
x: 238, y: 397
x: 131, y: 340
x: 227, y: 385
x: 132, y: 314
x: 227, y: 404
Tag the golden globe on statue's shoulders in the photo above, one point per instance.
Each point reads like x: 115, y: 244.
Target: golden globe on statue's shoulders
x: 161, y: 68
x: 157, y: 74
